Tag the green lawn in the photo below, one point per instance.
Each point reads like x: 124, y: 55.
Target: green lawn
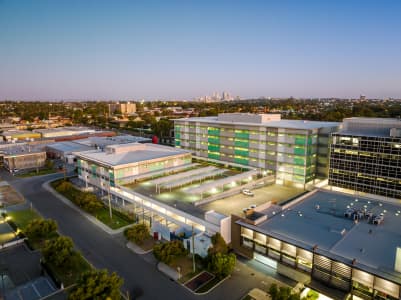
x: 22, y: 217
x: 116, y: 222
x: 34, y: 173
x: 70, y: 273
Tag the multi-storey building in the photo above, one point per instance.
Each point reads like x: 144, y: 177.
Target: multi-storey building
x: 366, y: 156
x: 126, y: 108
x: 296, y: 150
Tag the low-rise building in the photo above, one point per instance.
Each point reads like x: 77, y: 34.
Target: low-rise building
x: 347, y: 243
x: 23, y: 157
x: 20, y: 135
x: 63, y: 131
x: 122, y: 163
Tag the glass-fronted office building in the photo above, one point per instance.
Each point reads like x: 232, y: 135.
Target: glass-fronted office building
x: 366, y: 156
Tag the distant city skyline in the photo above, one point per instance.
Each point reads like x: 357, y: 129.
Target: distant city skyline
x: 132, y: 50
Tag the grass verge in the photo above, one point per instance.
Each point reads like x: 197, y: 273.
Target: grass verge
x: 34, y: 173
x: 69, y: 274
x: 21, y: 218
x: 118, y: 219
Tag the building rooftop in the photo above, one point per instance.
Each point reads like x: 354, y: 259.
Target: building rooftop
x: 68, y: 147
x: 65, y: 130
x: 291, y: 124
x: 97, y: 141
x: 118, y: 155
x: 380, y: 127
x: 22, y: 149
x: 319, y: 220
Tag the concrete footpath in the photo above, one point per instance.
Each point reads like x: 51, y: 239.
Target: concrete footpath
x: 91, y: 218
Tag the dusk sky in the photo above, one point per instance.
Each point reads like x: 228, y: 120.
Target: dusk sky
x: 93, y: 49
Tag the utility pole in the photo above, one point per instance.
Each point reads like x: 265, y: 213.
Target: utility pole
x: 109, y: 197
x: 65, y: 169
x: 193, y: 249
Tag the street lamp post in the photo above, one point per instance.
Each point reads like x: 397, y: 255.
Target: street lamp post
x: 109, y: 198
x: 193, y: 249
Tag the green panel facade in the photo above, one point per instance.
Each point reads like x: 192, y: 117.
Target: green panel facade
x: 213, y: 140
x: 241, y: 161
x: 213, y: 148
x: 242, y: 135
x: 93, y: 169
x: 241, y: 152
x: 242, y: 144
x: 299, y: 161
x: 213, y: 156
x: 299, y: 150
x: 300, y: 140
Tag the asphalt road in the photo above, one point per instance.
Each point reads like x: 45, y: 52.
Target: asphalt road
x: 105, y: 251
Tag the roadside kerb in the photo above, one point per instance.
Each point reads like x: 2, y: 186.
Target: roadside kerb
x: 136, y: 249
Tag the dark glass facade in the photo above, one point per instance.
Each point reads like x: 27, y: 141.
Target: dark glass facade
x: 370, y: 164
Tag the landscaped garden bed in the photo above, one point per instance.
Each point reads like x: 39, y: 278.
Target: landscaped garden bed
x: 92, y: 205
x: 199, y: 281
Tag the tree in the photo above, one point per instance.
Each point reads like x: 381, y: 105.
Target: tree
x: 219, y: 245
x: 58, y: 251
x: 167, y: 252
x: 89, y: 202
x: 64, y: 186
x: 40, y: 228
x: 162, y: 128
x: 137, y: 233
x: 221, y: 264
x: 97, y: 284
x: 282, y: 293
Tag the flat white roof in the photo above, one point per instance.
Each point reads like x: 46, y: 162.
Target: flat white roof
x: 68, y: 147
x: 290, y: 124
x: 137, y: 154
x: 118, y: 139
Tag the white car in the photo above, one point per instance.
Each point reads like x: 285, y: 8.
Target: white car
x: 247, y: 192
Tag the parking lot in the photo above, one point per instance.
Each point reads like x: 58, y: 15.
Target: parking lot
x: 235, y: 204
x: 22, y: 274
x: 8, y: 196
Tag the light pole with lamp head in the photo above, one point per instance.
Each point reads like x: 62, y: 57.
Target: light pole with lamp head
x: 109, y: 197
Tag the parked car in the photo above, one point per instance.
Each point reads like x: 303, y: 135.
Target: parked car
x: 247, y: 192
